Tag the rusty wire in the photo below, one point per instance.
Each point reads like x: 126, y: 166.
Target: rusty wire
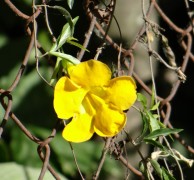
x: 185, y: 40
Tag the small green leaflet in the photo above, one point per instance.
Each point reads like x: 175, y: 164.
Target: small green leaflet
x: 153, y: 122
x: 65, y: 34
x: 155, y: 143
x: 155, y: 106
x: 70, y: 3
x: 166, y: 175
x: 144, y: 170
x: 144, y: 130
x: 141, y: 98
x: 156, y: 167
x: 65, y: 13
x: 72, y: 40
x: 68, y: 57
x: 56, y: 70
x: 162, y: 132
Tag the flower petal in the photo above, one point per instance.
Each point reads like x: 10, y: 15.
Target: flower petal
x: 108, y: 121
x: 121, y: 92
x: 67, y: 98
x: 90, y: 73
x: 79, y: 129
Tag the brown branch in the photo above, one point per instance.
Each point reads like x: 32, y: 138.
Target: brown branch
x: 87, y: 38
x: 102, y: 159
x: 183, y: 67
x: 184, y: 46
x: 166, y: 19
x: 16, y: 10
x: 20, y: 125
x: 141, y: 31
x: 24, y: 63
x: 45, y: 160
x: 187, y: 53
x: 130, y: 66
x: 52, y: 171
x: 127, y: 164
x: 178, y: 137
x: 99, y: 27
x: 7, y: 110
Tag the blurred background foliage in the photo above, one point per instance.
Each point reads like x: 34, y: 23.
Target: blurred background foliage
x: 32, y: 101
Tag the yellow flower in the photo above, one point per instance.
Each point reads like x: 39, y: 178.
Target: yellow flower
x: 93, y: 100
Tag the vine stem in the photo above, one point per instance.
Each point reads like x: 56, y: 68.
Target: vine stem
x: 76, y: 163
x: 101, y: 47
x: 150, y: 58
x: 178, y: 164
x: 36, y: 45
x: 102, y: 159
x: 87, y: 38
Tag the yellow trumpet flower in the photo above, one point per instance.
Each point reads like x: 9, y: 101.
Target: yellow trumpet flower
x: 93, y: 100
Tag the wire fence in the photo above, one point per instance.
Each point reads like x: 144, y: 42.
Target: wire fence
x: 97, y: 17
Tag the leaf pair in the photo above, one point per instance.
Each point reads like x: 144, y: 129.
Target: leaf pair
x: 160, y: 172
x: 66, y: 36
x: 152, y: 127
x: 150, y: 120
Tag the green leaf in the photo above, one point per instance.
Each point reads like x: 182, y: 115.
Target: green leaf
x: 77, y: 45
x: 145, y: 128
x: 12, y: 170
x: 65, y: 56
x: 141, y: 98
x: 156, y: 167
x: 162, y: 132
x: 153, y: 122
x: 156, y: 116
x: 154, y: 143
x: 163, y: 126
x: 56, y: 70
x: 65, y: 34
x: 143, y: 169
x: 166, y: 175
x: 70, y: 3
x: 66, y: 14
x: 155, y: 106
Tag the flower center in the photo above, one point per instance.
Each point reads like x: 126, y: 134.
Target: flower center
x: 98, y: 91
